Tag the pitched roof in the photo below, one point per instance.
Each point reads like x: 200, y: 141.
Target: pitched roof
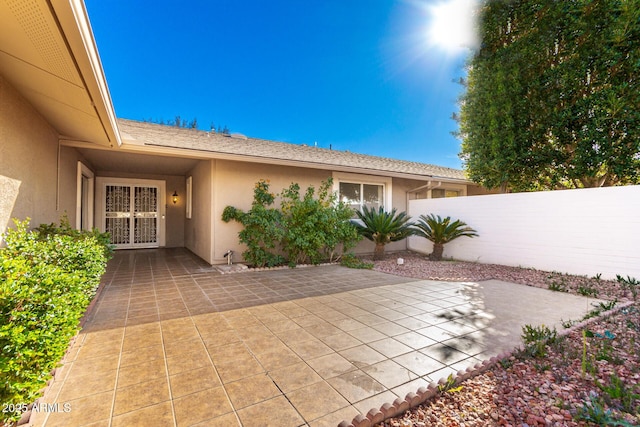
x: 151, y: 134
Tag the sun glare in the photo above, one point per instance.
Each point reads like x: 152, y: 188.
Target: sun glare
x: 452, y: 25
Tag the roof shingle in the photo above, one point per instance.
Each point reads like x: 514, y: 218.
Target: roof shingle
x: 152, y: 134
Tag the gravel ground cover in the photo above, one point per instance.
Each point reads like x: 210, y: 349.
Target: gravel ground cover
x: 589, y: 377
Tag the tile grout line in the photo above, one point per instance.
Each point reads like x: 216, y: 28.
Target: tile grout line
x: 224, y: 389
x: 124, y: 328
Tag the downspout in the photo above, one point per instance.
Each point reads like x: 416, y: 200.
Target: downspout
x: 428, y: 186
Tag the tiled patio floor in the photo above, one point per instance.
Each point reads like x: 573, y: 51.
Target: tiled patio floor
x: 171, y: 342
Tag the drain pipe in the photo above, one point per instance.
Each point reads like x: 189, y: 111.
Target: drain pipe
x: 427, y: 186
x: 229, y: 256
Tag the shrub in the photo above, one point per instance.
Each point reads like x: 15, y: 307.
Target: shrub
x: 351, y: 261
x: 441, y: 231
x: 309, y: 228
x: 46, y: 283
x: 383, y: 227
x: 314, y: 227
x: 262, y: 230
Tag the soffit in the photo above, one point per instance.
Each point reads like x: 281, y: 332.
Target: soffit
x: 117, y: 161
x: 44, y: 54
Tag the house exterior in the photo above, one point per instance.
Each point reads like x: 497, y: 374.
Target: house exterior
x: 62, y: 150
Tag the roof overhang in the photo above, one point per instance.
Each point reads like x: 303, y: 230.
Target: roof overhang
x: 48, y: 53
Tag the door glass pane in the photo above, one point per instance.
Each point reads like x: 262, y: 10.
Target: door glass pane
x: 373, y: 196
x: 118, y: 213
x: 146, y: 215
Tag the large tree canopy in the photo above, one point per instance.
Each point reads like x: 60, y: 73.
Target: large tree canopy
x: 552, y: 95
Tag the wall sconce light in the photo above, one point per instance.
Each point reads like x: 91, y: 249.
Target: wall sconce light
x: 175, y: 197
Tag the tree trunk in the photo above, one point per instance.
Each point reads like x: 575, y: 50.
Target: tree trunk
x: 378, y: 252
x: 436, y: 255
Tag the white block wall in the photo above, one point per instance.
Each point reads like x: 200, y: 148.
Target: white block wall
x: 584, y: 231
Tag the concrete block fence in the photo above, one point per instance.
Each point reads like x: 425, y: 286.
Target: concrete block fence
x: 584, y: 231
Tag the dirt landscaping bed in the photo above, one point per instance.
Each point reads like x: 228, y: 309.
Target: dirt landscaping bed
x: 588, y: 377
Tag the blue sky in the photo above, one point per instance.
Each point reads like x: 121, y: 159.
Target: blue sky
x: 374, y: 77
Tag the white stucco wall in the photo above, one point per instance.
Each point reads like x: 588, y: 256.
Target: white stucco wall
x: 585, y: 231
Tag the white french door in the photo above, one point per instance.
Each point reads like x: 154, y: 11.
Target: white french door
x: 132, y: 212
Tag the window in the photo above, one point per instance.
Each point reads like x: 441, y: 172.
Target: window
x: 439, y: 193
x: 358, y: 195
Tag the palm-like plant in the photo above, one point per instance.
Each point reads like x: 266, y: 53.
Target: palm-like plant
x: 441, y: 231
x: 383, y: 227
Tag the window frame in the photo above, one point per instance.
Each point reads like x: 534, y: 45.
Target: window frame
x: 349, y: 178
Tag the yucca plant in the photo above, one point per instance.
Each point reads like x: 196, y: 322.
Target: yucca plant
x: 441, y: 231
x: 383, y: 227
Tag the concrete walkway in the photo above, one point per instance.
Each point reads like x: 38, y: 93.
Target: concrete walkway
x: 172, y: 342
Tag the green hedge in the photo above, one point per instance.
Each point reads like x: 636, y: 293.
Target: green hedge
x: 47, y: 279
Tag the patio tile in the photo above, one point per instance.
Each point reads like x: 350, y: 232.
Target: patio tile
x: 414, y: 340
x: 310, y: 349
x: 237, y: 369
x: 411, y: 387
x: 80, y: 386
x: 294, y: 377
x: 436, y: 333
x: 276, y: 412
x: 375, y: 401
x: 367, y: 334
x: 316, y: 400
x: 227, y: 420
x: 341, y: 341
x: 148, y: 370
x: 332, y: 419
x: 444, y: 353
x: 151, y: 416
x: 141, y: 395
x: 362, y: 355
x: 251, y: 390
x: 418, y: 363
x: 277, y: 358
x: 201, y: 406
x: 389, y: 347
x: 356, y: 386
x: 389, y: 373
x: 86, y: 409
x: 192, y: 381
x: 330, y: 365
x: 300, y: 329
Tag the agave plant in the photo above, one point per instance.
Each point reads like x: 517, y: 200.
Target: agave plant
x: 441, y: 231
x: 383, y: 227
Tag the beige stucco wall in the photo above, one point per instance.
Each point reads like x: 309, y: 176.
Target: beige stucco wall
x: 198, y: 230
x: 175, y: 214
x: 28, y: 159
x: 233, y: 186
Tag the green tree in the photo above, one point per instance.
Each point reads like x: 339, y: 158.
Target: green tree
x: 440, y: 231
x: 383, y: 227
x: 552, y: 95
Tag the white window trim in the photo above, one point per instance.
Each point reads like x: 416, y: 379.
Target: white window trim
x: 84, y: 171
x: 355, y: 178
x: 189, y: 204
